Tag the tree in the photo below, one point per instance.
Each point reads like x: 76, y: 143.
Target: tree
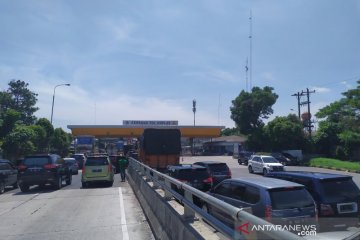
x: 18, y: 143
x: 285, y: 133
x: 326, y: 138
x: 230, y: 132
x: 249, y: 109
x: 339, y: 129
x: 60, y: 142
x: 22, y: 100
x: 49, y: 130
x: 7, y: 121
x: 39, y: 139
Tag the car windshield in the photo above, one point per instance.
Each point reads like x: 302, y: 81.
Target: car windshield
x: 289, y: 198
x: 193, y: 174
x: 269, y: 160
x: 100, y: 161
x: 36, y: 161
x: 221, y: 167
x: 340, y: 189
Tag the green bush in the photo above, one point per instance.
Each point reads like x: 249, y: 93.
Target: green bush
x: 335, y: 163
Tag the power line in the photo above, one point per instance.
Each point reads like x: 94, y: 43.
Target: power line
x: 298, y: 95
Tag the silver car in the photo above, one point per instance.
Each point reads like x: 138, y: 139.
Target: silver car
x: 264, y: 164
x: 73, y: 165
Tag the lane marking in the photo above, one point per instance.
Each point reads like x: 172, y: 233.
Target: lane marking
x: 125, y: 233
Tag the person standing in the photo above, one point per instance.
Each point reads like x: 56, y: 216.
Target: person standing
x: 123, y: 162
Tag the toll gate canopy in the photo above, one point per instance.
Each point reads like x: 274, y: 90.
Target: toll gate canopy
x: 113, y: 131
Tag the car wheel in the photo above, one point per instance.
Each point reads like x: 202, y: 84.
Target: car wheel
x: 265, y: 172
x: 84, y: 185
x: 246, y: 163
x: 58, y: 183
x: 15, y: 185
x: 69, y: 180
x: 24, y: 188
x: 251, y: 170
x: 2, y: 187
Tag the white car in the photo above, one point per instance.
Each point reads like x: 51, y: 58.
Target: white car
x: 264, y: 164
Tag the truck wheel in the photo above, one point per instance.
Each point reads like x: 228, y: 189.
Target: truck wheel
x: 84, y: 185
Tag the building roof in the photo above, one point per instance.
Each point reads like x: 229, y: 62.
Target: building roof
x: 239, y: 139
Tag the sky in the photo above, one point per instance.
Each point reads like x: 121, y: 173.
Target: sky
x: 148, y: 60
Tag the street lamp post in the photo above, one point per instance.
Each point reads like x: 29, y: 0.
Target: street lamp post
x: 194, y: 109
x: 53, y: 100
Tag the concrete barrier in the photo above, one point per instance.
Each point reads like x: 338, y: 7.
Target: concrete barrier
x: 164, y: 219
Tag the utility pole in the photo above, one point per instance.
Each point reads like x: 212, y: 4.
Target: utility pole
x: 309, y: 122
x: 298, y: 95
x: 194, y: 109
x: 192, y: 139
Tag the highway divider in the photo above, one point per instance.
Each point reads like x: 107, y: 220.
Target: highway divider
x: 167, y: 223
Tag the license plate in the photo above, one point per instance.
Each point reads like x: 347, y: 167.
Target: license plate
x: 347, y: 207
x: 96, y: 170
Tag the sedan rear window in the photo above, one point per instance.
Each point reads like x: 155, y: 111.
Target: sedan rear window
x: 36, y: 161
x: 192, y: 174
x: 221, y: 167
x: 96, y: 162
x: 289, y: 198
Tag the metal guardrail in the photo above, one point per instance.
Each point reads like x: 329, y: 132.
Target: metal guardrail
x: 239, y: 215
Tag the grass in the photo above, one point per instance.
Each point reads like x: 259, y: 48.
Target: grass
x: 335, y: 164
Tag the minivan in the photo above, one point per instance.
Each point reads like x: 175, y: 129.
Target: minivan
x: 277, y: 201
x: 337, y: 197
x: 97, y: 169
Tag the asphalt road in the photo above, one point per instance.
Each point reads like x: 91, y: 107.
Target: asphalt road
x: 95, y: 213
x: 242, y: 170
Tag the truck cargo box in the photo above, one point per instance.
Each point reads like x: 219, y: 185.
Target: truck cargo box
x: 161, y: 141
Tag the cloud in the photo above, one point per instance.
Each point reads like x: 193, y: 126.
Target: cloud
x: 321, y: 89
x: 347, y: 85
x: 215, y: 75
x: 75, y: 106
x: 268, y: 76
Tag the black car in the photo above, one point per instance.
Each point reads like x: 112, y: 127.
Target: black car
x: 284, y: 159
x: 244, y: 156
x: 8, y: 175
x: 219, y: 171
x: 193, y: 175
x: 337, y: 197
x: 43, y: 169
